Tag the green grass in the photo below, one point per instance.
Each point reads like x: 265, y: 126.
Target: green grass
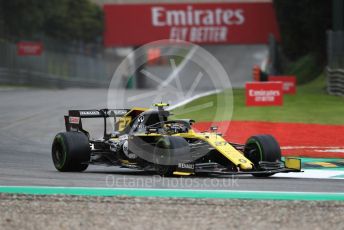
x: 305, y: 69
x: 310, y: 104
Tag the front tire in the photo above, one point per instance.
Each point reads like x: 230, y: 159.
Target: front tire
x: 262, y: 148
x: 71, y: 152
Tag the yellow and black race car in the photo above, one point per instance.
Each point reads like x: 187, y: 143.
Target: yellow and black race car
x: 145, y: 139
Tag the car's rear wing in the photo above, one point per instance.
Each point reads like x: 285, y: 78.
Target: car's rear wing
x: 73, y: 119
x: 92, y: 113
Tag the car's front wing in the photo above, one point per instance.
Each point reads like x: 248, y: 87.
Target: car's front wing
x: 289, y: 165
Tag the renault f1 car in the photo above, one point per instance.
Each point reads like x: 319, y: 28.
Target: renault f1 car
x: 147, y: 139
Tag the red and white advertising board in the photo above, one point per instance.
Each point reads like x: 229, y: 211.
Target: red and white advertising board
x: 289, y: 83
x: 25, y: 48
x: 264, y: 93
x: 202, y: 23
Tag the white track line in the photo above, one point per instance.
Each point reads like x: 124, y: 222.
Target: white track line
x: 314, y: 174
x: 312, y: 147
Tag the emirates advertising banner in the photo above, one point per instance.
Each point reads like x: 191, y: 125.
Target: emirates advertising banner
x: 28, y: 48
x: 289, y: 83
x: 201, y: 23
x: 264, y: 93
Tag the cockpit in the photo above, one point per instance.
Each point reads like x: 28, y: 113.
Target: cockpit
x: 152, y: 121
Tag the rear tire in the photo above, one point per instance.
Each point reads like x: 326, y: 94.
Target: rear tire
x: 262, y: 148
x: 71, y: 152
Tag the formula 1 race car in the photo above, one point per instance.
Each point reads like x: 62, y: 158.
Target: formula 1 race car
x: 146, y: 139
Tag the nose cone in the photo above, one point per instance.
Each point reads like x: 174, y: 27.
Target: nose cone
x: 245, y: 165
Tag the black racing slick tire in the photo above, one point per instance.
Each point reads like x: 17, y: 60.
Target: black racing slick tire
x: 169, y: 150
x: 71, y: 152
x: 262, y: 148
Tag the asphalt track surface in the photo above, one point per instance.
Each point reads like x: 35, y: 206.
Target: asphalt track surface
x: 30, y: 118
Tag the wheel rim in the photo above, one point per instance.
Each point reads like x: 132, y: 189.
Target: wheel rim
x: 160, y: 157
x: 59, y: 156
x: 254, y: 152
